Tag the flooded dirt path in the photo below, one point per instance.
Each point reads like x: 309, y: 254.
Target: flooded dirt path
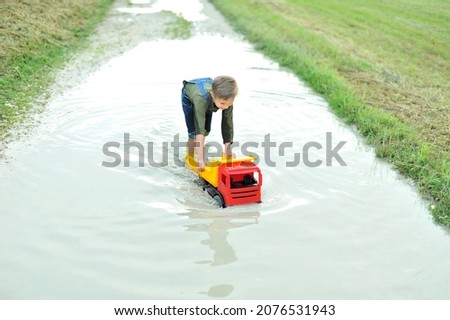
x: 73, y: 228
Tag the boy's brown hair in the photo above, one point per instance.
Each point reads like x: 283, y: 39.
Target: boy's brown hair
x: 224, y: 87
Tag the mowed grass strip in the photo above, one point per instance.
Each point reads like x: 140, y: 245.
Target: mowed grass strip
x: 384, y: 66
x: 35, y: 39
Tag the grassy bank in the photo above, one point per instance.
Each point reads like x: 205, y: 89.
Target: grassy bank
x: 35, y: 39
x: 383, y: 66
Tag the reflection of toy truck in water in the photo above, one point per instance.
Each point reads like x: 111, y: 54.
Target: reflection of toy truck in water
x: 230, y: 181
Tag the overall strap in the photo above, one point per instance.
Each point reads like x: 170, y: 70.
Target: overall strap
x: 200, y: 82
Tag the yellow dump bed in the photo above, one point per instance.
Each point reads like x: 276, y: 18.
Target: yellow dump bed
x: 211, y: 172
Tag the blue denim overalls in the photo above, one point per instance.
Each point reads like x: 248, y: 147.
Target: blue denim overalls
x: 188, y: 106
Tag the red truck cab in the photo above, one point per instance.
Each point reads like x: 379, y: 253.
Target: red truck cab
x: 239, y: 183
x: 230, y: 181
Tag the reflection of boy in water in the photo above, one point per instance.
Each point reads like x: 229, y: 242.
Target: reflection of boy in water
x: 218, y: 233
x: 223, y: 251
x: 200, y: 98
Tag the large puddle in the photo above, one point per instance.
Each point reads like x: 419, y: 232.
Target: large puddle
x: 72, y: 228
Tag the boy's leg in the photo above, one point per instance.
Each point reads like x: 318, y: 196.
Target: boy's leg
x: 188, y: 109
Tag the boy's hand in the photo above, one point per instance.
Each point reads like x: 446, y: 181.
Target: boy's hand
x: 228, y: 152
x: 230, y: 155
x: 201, y: 166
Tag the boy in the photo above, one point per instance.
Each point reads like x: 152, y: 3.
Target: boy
x: 200, y: 98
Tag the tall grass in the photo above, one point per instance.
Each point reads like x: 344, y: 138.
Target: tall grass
x: 36, y: 37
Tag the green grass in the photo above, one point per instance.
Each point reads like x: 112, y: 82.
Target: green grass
x: 180, y: 28
x: 382, y: 65
x: 36, y: 38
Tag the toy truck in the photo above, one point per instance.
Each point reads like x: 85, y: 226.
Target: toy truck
x: 230, y: 181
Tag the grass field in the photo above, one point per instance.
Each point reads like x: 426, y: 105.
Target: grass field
x: 382, y: 65
x: 35, y: 39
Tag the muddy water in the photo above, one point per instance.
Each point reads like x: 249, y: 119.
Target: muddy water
x: 71, y: 227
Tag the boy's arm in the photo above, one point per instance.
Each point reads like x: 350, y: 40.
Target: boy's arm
x: 200, y: 109
x: 227, y: 129
x: 199, y: 143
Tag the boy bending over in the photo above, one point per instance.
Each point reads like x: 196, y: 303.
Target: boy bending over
x: 200, y: 98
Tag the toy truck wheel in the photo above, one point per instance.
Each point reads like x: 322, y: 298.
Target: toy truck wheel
x: 219, y: 200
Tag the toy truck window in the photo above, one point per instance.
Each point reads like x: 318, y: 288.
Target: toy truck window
x: 256, y: 178
x: 243, y: 180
